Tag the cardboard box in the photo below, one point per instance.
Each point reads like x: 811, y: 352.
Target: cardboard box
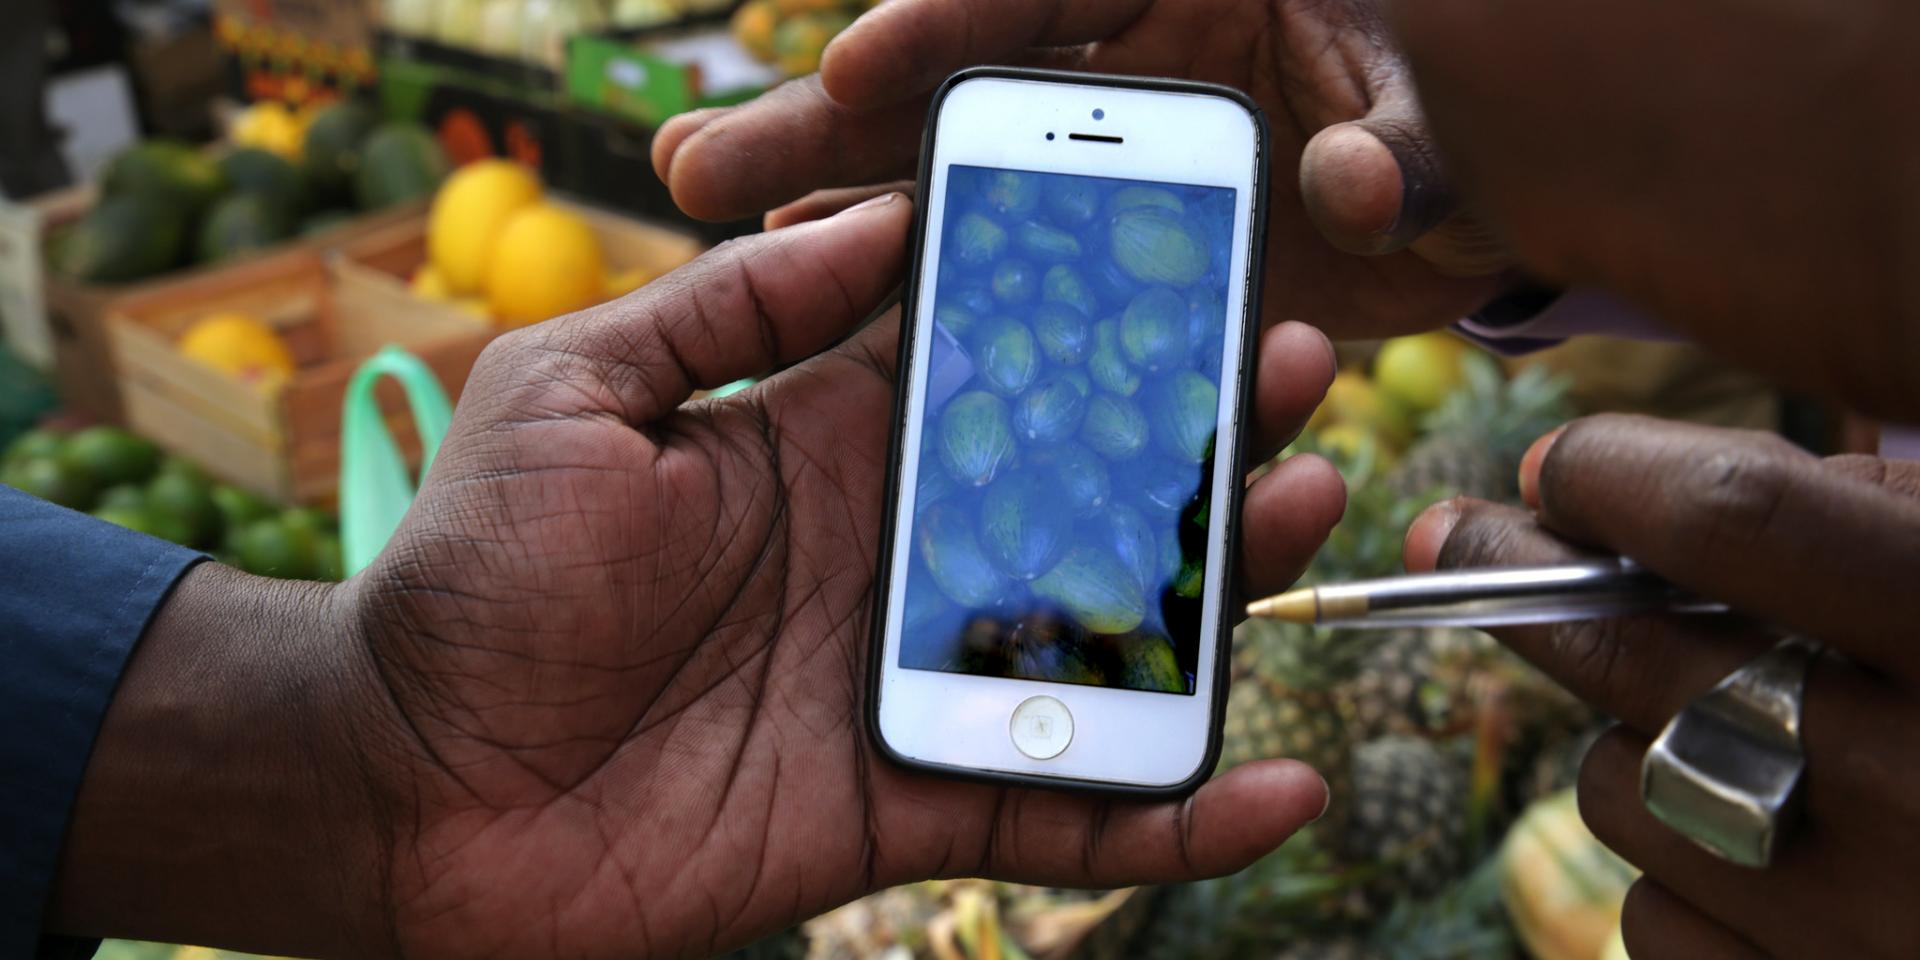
x: 650, y: 76
x: 282, y: 444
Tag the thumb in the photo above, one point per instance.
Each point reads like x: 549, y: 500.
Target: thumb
x: 1378, y: 185
x: 740, y: 310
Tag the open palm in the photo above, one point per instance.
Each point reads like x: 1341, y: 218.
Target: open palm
x: 625, y: 638
x: 1363, y: 238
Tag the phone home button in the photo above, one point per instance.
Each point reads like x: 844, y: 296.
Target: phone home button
x: 1041, y: 727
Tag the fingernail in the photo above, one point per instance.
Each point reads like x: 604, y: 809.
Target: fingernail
x: 872, y: 203
x: 1326, y: 804
x: 1427, y: 534
x: 1530, y: 468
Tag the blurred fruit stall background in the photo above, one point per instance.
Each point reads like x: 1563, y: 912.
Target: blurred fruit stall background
x: 259, y: 195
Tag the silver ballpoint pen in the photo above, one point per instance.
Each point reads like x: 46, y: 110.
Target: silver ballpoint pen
x: 1488, y: 597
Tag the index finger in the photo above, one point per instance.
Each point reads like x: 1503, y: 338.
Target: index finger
x: 1748, y: 519
x: 904, y: 48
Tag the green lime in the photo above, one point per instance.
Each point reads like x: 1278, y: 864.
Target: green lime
x: 327, y: 562
x: 239, y: 507
x: 111, y: 456
x: 271, y: 548
x: 186, y: 468
x: 133, y: 518
x: 51, y: 480
x: 32, y: 445
x: 309, y: 519
x: 184, y: 505
x: 127, y: 496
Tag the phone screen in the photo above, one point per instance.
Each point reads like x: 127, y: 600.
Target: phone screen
x: 1060, y: 512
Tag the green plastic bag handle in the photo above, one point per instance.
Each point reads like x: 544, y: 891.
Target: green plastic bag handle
x: 375, y: 490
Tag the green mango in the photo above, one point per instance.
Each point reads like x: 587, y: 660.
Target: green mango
x: 1095, y: 589
x: 127, y: 496
x: 33, y: 445
x: 1206, y: 332
x: 1022, y: 528
x: 1007, y: 358
x: 1064, y: 284
x: 976, y: 438
x: 1062, y: 661
x: 189, y: 501
x: 1184, y: 411
x: 241, y: 223
x: 1153, y: 331
x: 1191, y: 581
x: 1079, y: 475
x: 1165, y: 487
x: 977, y: 240
x: 953, y: 557
x: 51, y: 480
x: 926, y: 607
x: 1011, y: 194
x: 1050, y: 412
x: 1044, y: 243
x: 1114, y: 428
x: 1153, y: 246
x: 1114, y: 285
x: 958, y: 322
x: 1063, y: 333
x: 1167, y: 560
x: 973, y: 296
x: 1121, y: 530
x: 268, y: 175
x: 1147, y: 662
x: 1072, y: 202
x: 1080, y: 381
x: 133, y: 518
x: 1107, y: 364
x: 177, y: 174
x: 1127, y: 198
x: 110, y: 456
x: 933, y: 484
x: 1015, y: 282
x: 123, y: 239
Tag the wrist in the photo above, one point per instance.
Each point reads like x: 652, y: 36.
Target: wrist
x: 235, y: 794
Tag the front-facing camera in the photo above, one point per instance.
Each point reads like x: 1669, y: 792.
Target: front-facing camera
x: 1049, y: 136
x: 1099, y: 114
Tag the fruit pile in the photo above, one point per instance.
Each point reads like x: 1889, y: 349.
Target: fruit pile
x: 534, y: 31
x: 1060, y: 516
x: 1451, y: 834
x: 166, y: 205
x: 498, y: 249
x: 123, y: 479
x: 792, y: 34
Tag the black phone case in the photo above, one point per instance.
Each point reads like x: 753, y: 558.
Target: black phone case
x: 882, y: 582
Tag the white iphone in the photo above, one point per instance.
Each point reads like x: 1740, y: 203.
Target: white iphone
x: 1056, y: 567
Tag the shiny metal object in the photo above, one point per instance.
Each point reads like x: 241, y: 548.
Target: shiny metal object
x: 1726, y: 772
x: 1496, y: 596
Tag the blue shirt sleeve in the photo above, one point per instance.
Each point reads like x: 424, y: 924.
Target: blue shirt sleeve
x: 75, y: 595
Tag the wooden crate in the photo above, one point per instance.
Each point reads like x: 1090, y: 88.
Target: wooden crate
x: 72, y: 316
x: 284, y: 445
x: 386, y: 258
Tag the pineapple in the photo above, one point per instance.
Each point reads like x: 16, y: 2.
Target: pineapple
x: 1341, y: 948
x: 1467, y: 921
x: 1474, y: 441
x: 1286, y: 701
x: 1296, y: 893
x: 1410, y: 817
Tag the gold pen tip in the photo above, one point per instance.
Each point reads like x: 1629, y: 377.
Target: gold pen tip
x: 1294, y: 606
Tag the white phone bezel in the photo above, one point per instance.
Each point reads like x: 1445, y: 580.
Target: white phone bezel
x: 1124, y: 738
